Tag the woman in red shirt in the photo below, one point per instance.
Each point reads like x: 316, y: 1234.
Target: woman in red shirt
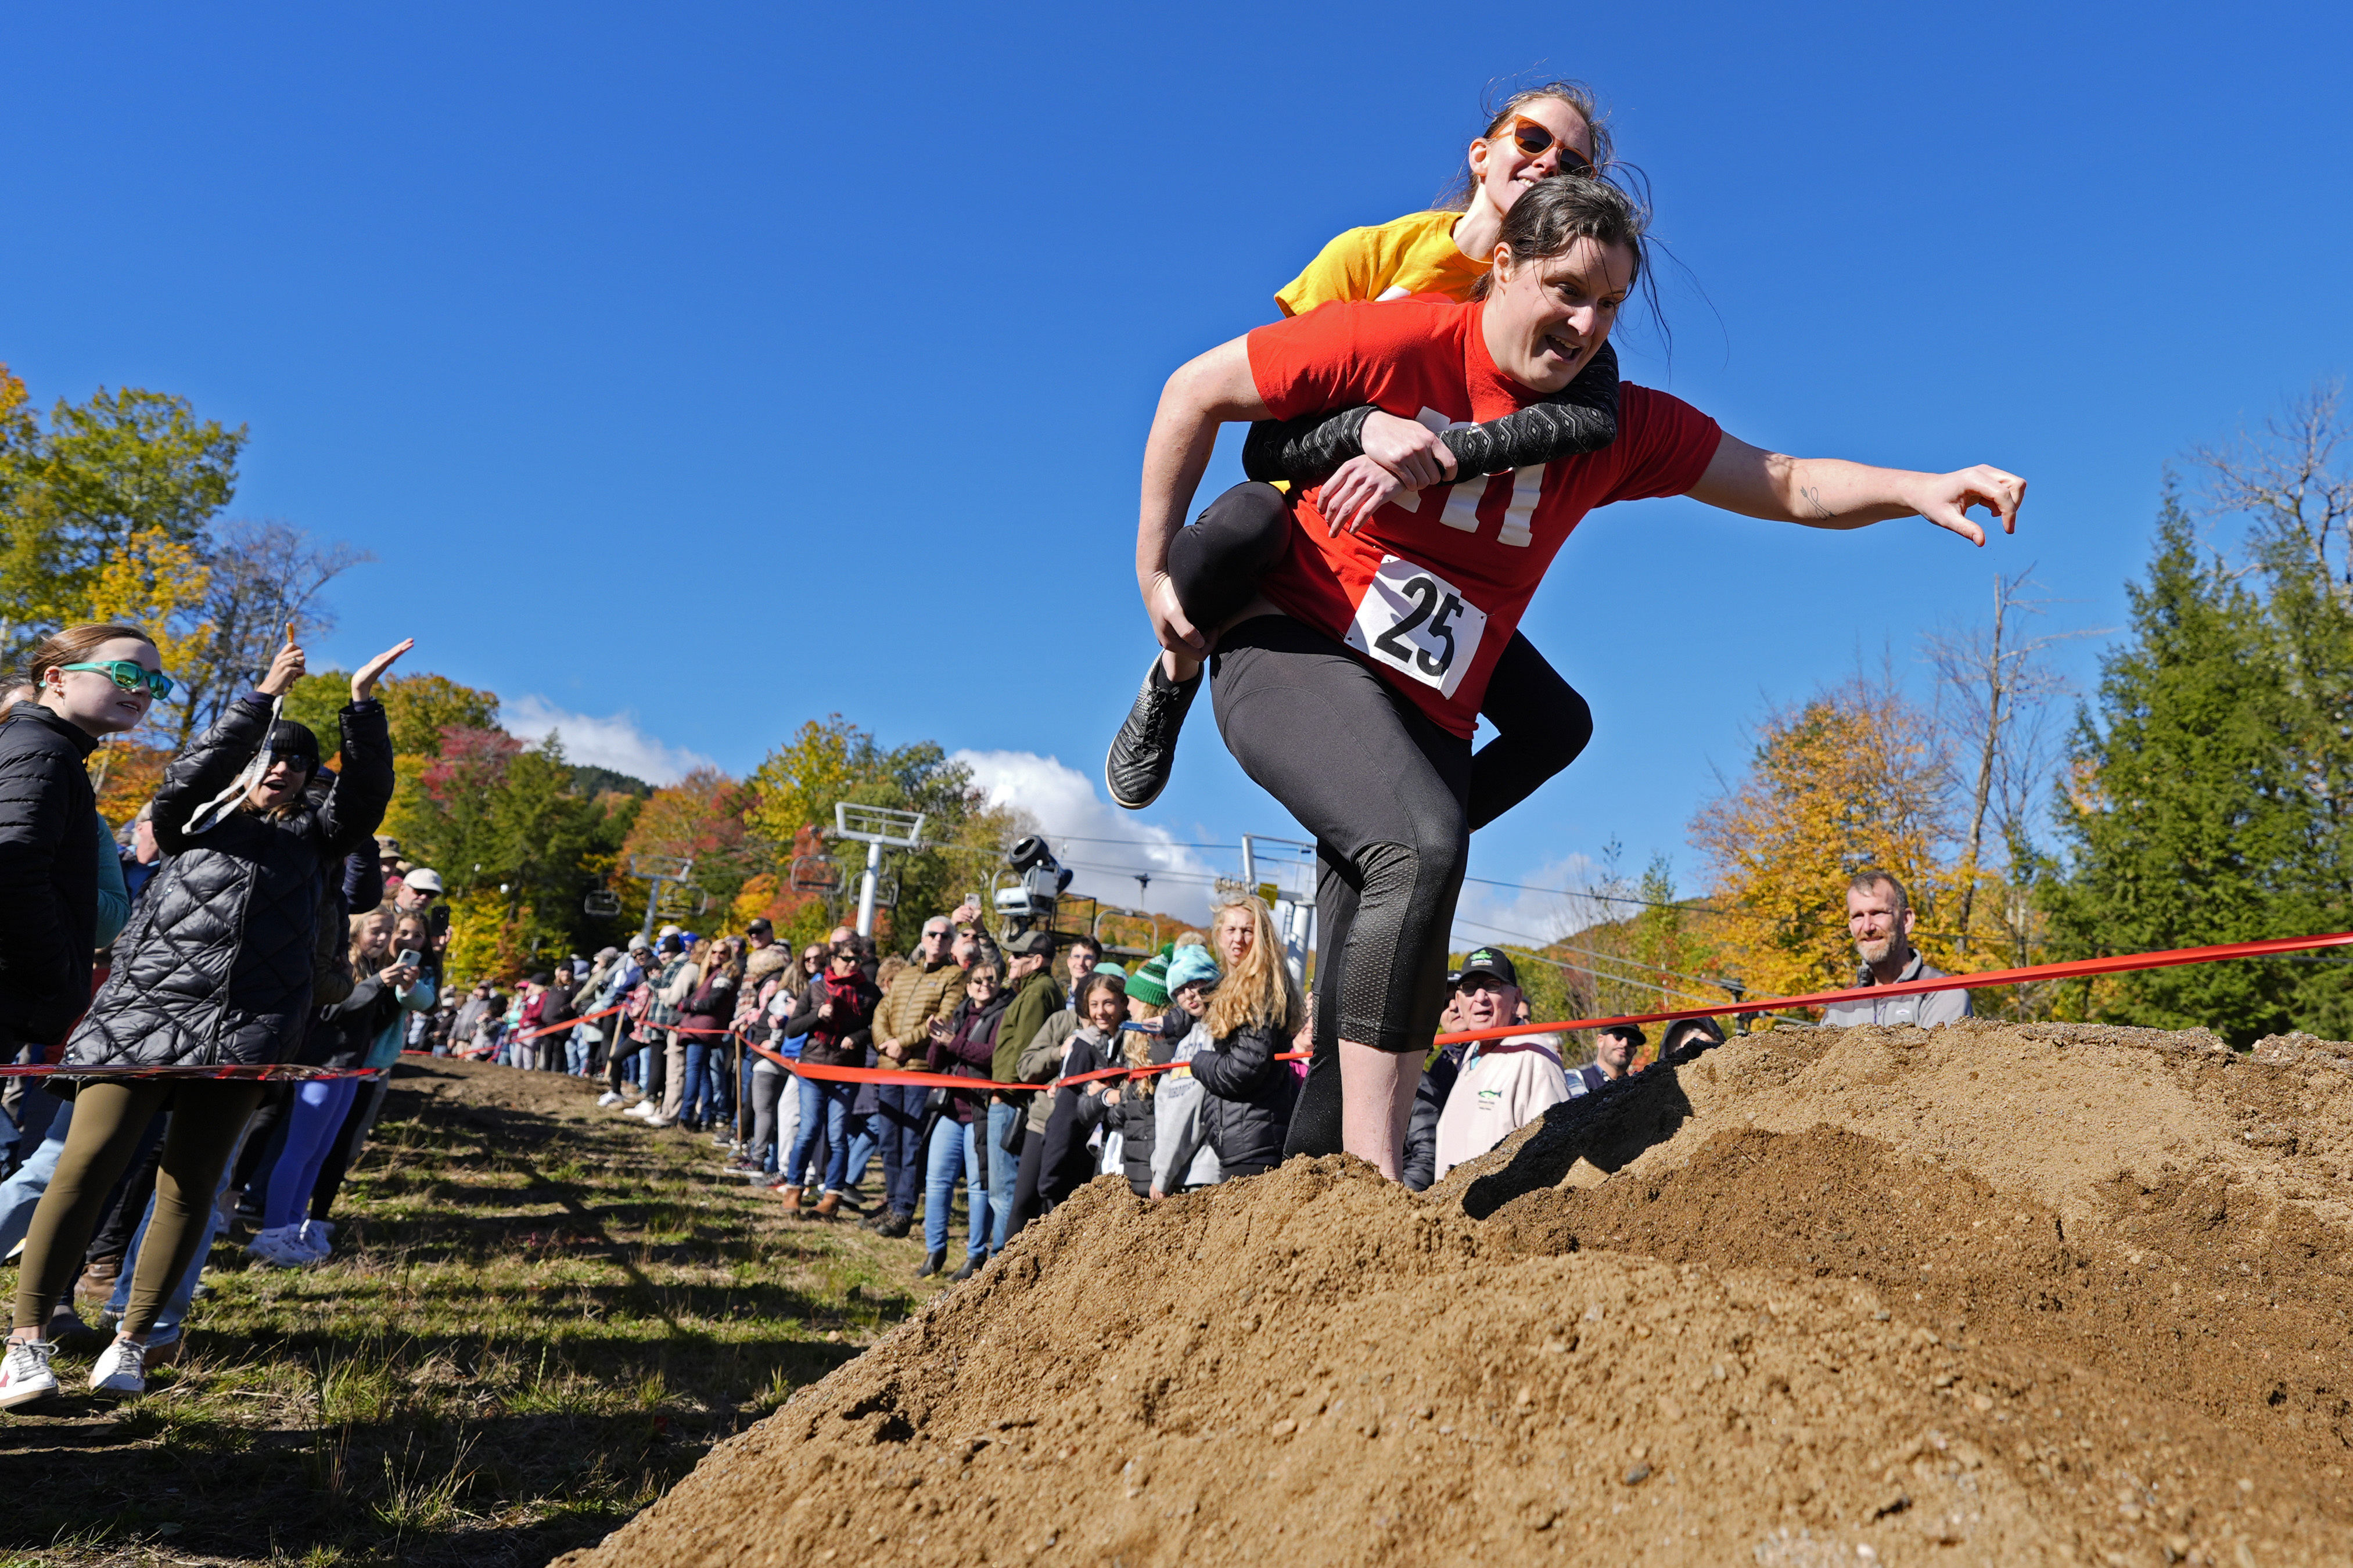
x: 1349, y: 686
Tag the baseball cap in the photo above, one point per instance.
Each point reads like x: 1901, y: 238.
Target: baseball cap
x: 760, y: 927
x: 1491, y: 961
x: 1033, y: 940
x: 425, y: 879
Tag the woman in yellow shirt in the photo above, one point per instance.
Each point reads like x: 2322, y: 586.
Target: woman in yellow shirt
x: 1364, y: 457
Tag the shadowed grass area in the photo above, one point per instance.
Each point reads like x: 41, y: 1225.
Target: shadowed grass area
x: 539, y: 1317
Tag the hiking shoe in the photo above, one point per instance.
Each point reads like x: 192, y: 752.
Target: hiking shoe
x: 1145, y: 751
x: 122, y: 1369
x: 97, y: 1282
x: 934, y: 1264
x: 895, y: 1225
x: 24, y: 1374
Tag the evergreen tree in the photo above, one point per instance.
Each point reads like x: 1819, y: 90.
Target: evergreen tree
x: 2186, y: 818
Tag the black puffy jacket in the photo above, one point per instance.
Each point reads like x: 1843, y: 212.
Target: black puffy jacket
x: 48, y: 875
x: 215, y: 966
x: 1250, y: 1096
x: 1130, y: 1116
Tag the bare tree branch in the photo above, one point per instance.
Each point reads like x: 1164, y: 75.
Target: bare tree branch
x: 2292, y: 486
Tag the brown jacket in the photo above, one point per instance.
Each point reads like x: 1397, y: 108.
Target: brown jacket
x: 916, y: 997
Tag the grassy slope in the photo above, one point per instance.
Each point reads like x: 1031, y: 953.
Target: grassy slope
x: 539, y: 1317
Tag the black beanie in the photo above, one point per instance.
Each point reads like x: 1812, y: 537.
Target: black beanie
x: 287, y: 738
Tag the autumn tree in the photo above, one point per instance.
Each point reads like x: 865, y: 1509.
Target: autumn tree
x: 1849, y: 779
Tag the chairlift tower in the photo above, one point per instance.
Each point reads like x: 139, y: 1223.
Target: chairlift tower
x: 879, y: 827
x: 658, y: 869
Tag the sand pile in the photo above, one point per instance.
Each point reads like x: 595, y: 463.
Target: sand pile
x: 1980, y: 1295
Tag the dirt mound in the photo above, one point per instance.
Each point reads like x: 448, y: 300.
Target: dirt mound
x: 1982, y: 1295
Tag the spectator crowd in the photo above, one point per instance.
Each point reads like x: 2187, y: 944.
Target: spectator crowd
x: 251, y: 916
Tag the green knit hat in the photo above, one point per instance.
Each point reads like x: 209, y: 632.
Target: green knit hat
x: 1149, y: 984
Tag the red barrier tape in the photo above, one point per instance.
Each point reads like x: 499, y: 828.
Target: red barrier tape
x: 262, y: 1070
x: 2076, y: 969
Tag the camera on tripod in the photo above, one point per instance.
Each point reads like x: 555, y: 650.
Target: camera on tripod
x: 1040, y: 879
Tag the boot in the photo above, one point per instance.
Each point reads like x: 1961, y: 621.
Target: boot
x: 791, y: 1198
x: 933, y: 1265
x: 827, y: 1204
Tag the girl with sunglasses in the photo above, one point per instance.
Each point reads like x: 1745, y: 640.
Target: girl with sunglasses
x: 1213, y: 568
x: 214, y: 970
x: 1350, y: 686
x: 87, y: 682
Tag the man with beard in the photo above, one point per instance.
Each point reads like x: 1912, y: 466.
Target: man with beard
x: 1879, y: 914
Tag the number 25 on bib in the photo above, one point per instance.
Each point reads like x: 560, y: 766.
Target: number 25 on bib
x: 1415, y: 622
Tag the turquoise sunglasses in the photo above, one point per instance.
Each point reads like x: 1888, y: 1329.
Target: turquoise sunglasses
x: 131, y: 676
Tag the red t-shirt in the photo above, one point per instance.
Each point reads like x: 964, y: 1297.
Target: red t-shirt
x: 1430, y: 587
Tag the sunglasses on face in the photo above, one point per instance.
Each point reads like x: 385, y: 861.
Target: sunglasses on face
x: 130, y: 677
x: 1535, y: 141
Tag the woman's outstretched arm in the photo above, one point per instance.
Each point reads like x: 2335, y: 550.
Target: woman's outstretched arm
x: 1829, y: 492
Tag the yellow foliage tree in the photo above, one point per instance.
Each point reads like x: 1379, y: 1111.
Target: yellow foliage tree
x: 1847, y: 780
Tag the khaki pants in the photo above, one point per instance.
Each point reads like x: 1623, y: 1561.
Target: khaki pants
x: 674, y: 1062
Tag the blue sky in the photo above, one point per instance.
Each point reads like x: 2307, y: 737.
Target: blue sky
x: 692, y: 372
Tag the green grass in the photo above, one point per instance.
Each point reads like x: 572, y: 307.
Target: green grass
x: 538, y: 1320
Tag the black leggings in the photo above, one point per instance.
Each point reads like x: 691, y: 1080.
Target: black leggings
x: 1541, y: 722
x: 1386, y: 794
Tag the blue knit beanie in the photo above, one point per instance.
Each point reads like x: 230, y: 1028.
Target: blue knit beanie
x: 1191, y: 965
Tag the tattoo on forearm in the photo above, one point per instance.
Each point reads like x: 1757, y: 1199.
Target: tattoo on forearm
x: 1814, y: 500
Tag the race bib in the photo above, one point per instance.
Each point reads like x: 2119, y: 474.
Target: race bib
x: 1413, y: 621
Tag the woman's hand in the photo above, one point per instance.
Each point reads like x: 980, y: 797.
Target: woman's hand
x: 1944, y: 499
x: 1157, y: 1195
x: 1407, y: 448
x: 1357, y: 488
x: 364, y: 683
x: 284, y: 671
x: 1170, y: 626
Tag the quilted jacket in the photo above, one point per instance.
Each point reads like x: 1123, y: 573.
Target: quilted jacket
x: 49, y: 885
x: 215, y: 966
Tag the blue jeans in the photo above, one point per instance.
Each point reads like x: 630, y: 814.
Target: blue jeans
x: 576, y: 1054
x: 860, y: 1152
x: 20, y: 1194
x: 896, y: 1123
x: 699, y: 1099
x: 955, y: 1152
x: 825, y: 1124
x: 312, y: 1125
x: 1004, y: 1170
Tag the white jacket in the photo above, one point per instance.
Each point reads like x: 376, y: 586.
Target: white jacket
x: 1504, y: 1085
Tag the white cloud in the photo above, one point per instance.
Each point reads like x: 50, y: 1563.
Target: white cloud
x: 614, y: 742
x: 1103, y: 846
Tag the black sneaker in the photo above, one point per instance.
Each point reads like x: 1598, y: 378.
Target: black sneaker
x: 1145, y: 751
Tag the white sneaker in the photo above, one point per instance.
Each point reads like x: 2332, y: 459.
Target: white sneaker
x: 644, y: 1110
x: 317, y: 1237
x: 24, y: 1374
x: 281, y: 1247
x: 608, y: 1098
x: 658, y: 1120
x: 122, y: 1369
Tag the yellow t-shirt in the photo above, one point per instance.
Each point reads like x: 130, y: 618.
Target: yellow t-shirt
x: 1415, y: 254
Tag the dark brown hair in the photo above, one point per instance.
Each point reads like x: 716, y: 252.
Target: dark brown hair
x: 1552, y: 215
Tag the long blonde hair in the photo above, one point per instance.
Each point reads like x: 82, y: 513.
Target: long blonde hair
x: 362, y: 964
x: 1258, y: 992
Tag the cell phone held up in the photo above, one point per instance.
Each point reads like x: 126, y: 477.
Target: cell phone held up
x: 412, y: 959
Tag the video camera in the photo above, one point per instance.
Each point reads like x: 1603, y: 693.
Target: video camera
x: 1042, y: 881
